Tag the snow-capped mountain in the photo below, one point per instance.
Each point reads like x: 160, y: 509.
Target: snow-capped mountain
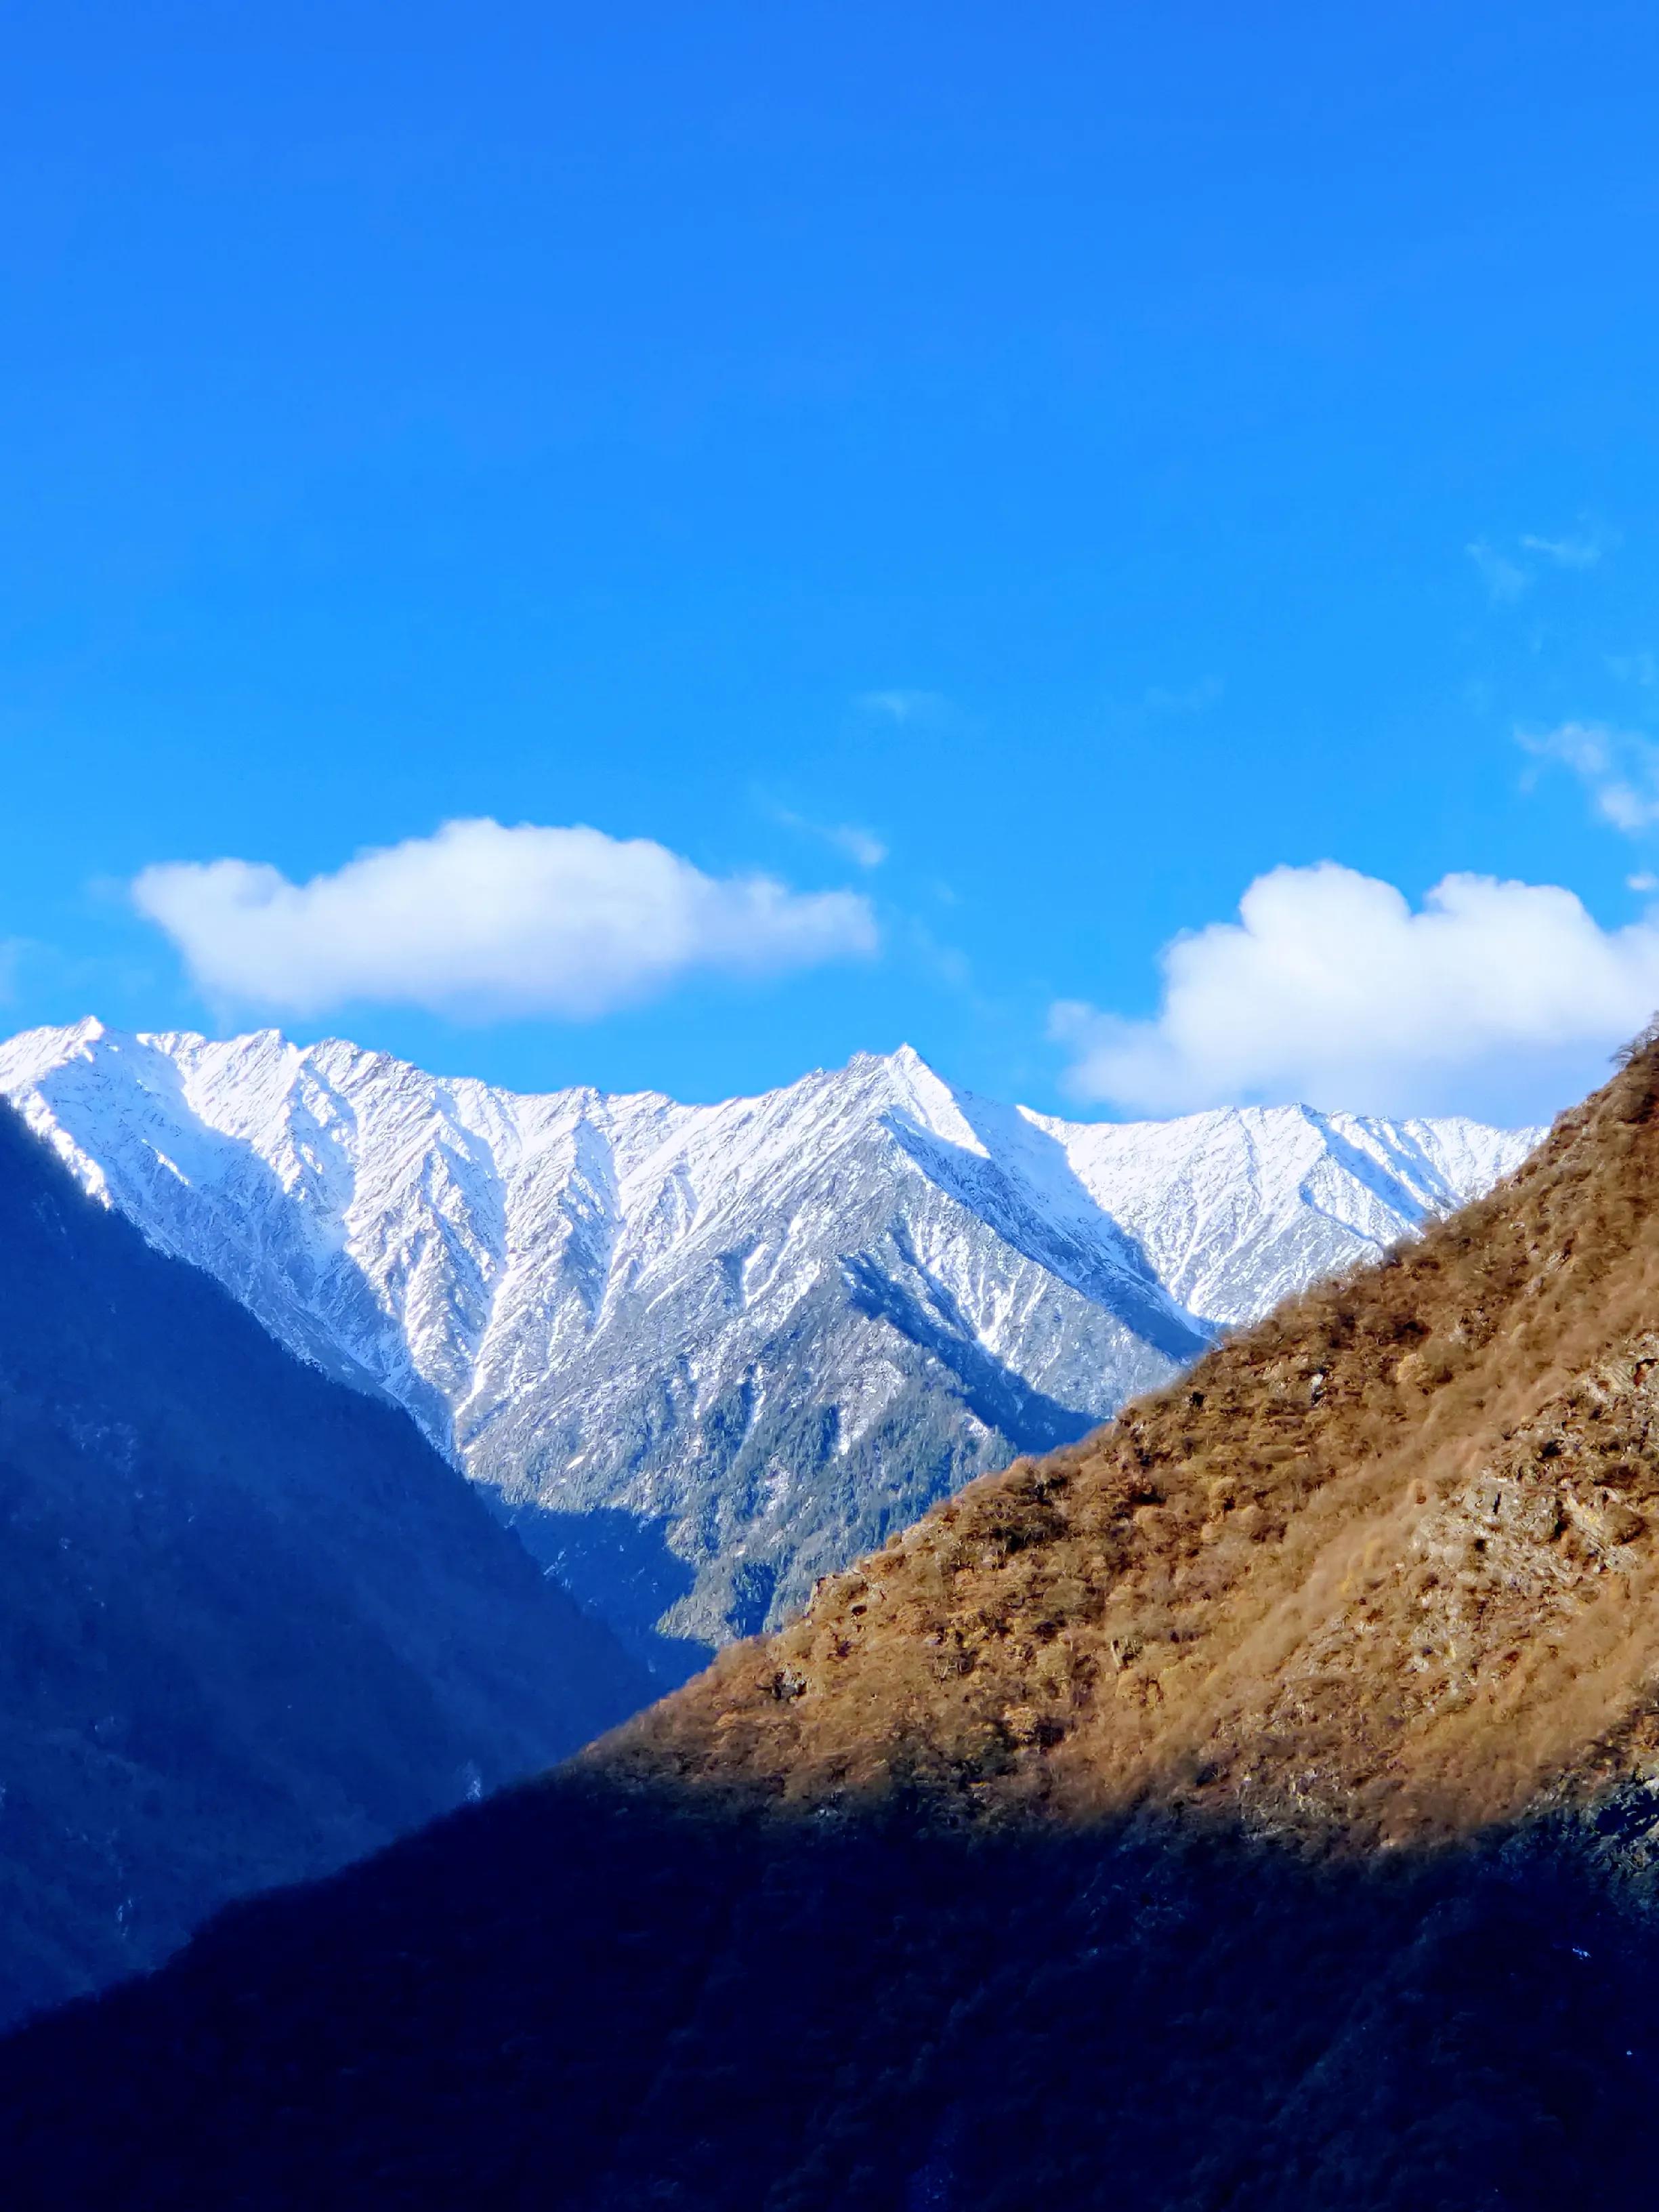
x: 703, y: 1354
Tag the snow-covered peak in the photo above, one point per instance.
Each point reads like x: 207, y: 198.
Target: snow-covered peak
x: 1218, y: 1201
x: 349, y: 1135
x: 761, y: 1329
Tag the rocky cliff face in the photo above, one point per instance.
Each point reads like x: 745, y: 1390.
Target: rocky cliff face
x: 704, y: 1355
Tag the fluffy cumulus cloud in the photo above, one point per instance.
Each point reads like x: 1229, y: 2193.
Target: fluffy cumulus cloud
x: 482, y: 920
x: 1501, y: 999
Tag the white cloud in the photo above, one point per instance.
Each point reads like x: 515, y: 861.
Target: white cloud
x: 1619, y: 769
x: 480, y: 919
x: 1566, y: 552
x: 1495, y: 998
x: 1507, y: 578
x: 862, y: 846
x: 903, y: 706
x: 1504, y: 579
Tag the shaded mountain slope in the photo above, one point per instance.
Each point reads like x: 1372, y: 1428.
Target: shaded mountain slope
x: 604, y: 2000
x: 251, y: 1625
x: 1251, y: 1807
x: 705, y: 1354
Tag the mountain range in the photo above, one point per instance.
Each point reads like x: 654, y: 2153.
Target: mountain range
x: 251, y: 1625
x: 1251, y: 1806
x: 701, y: 1355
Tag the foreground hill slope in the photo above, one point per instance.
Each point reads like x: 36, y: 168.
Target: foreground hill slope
x: 1252, y: 1807
x: 251, y: 1625
x: 1382, y: 1563
x: 704, y: 1354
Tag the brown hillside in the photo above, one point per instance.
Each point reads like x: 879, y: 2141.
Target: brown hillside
x: 1381, y: 1565
x: 1377, y: 1573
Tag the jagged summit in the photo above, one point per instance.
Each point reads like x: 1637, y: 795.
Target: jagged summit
x: 707, y: 1353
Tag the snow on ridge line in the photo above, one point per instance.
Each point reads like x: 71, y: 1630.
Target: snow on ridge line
x: 341, y: 1128
x: 51, y: 1046
x: 757, y: 1335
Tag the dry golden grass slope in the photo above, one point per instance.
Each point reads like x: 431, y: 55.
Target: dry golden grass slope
x: 1380, y: 1570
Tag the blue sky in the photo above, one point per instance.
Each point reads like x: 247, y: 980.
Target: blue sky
x: 1097, y: 457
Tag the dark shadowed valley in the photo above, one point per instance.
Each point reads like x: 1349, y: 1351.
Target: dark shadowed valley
x: 251, y: 1625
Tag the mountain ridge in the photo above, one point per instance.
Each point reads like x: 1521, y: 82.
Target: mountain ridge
x: 702, y: 1355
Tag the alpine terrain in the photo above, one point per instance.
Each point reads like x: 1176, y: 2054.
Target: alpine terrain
x: 251, y: 1625
x: 703, y: 1355
x: 1255, y: 1806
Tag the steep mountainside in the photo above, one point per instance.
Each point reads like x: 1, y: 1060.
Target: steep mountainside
x: 251, y: 1625
x: 706, y: 1354
x: 1254, y: 1807
x: 1381, y: 1563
